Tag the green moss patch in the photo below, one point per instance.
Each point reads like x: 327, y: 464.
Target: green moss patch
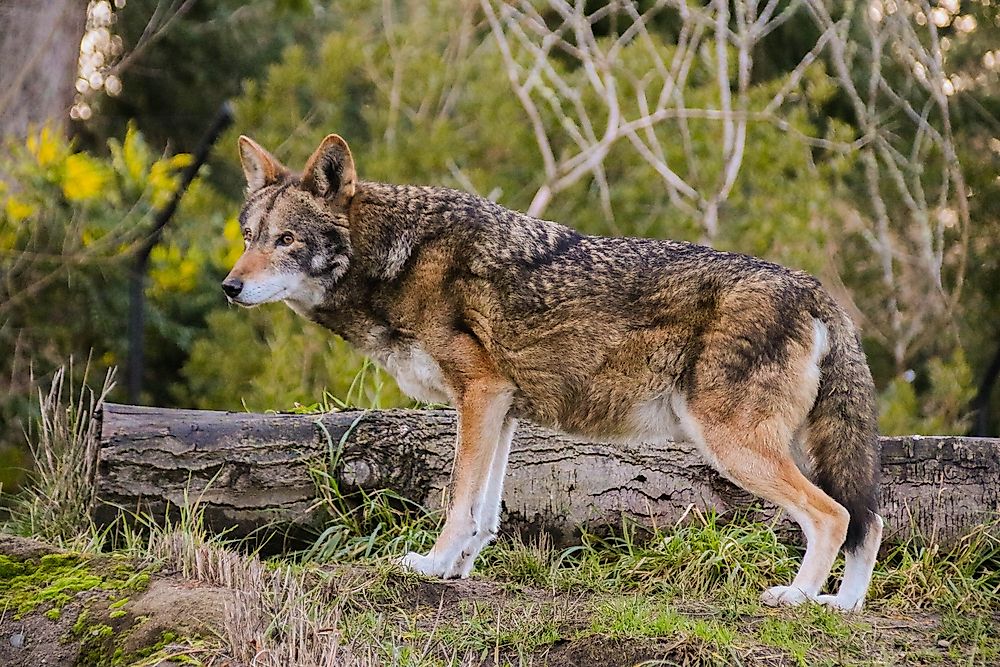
x: 53, y: 580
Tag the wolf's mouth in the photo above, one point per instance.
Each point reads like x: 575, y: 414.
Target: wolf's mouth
x: 277, y: 295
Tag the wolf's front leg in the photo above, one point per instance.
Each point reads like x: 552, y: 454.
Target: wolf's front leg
x: 488, y: 519
x: 481, y: 416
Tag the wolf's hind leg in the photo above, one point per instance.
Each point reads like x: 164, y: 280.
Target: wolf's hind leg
x: 759, y: 461
x: 488, y: 515
x: 859, y: 564
x: 482, y: 416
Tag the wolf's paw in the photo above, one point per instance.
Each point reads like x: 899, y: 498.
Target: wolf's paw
x: 785, y: 596
x: 423, y: 564
x: 837, y: 602
x: 462, y: 567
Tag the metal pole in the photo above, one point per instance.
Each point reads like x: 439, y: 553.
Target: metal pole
x: 137, y: 277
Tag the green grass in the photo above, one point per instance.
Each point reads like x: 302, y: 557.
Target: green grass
x: 679, y: 595
x: 689, y: 592
x: 368, y: 523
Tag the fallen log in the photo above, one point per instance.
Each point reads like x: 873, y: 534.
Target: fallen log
x: 251, y: 472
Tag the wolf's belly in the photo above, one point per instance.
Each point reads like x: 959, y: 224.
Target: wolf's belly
x: 613, y: 416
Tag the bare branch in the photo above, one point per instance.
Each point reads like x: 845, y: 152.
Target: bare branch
x: 911, y: 212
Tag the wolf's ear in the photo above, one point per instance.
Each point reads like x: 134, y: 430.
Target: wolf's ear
x: 329, y: 173
x: 260, y: 167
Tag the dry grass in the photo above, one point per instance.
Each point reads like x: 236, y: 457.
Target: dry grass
x: 685, y: 595
x: 61, y: 495
x: 276, y: 619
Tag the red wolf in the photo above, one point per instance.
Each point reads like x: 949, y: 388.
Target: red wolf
x: 509, y: 317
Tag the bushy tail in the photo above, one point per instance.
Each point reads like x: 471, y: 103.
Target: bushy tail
x: 843, y: 431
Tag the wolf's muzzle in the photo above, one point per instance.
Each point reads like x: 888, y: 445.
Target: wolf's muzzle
x: 232, y: 287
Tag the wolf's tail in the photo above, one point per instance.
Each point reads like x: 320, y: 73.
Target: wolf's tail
x: 843, y: 432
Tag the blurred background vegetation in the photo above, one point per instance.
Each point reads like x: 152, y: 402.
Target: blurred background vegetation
x: 502, y: 100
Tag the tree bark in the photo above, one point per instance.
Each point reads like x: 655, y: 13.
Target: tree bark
x: 251, y: 472
x: 39, y: 51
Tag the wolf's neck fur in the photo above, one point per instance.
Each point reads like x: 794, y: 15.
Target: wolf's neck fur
x: 397, y: 229
x: 387, y: 222
x: 390, y: 226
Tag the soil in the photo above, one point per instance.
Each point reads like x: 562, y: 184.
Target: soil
x: 97, y: 625
x: 112, y: 626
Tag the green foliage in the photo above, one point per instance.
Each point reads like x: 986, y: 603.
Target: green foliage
x: 280, y: 361
x: 799, y: 633
x: 920, y: 574
x: 732, y: 561
x: 365, y: 523
x: 642, y: 617
x: 940, y: 409
x: 68, y: 222
x: 176, y: 97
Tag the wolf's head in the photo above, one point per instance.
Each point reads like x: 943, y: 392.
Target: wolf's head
x: 295, y: 228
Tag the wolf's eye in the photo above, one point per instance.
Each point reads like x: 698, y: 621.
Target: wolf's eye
x: 285, y: 239
x: 246, y: 233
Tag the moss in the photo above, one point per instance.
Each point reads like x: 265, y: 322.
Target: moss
x: 145, y: 654
x: 49, y: 583
x: 81, y: 623
x: 54, y: 580
x: 97, y: 644
x: 11, y: 568
x: 103, y: 645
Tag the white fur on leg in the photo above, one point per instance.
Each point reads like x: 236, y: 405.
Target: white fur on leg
x: 440, y: 560
x: 488, y: 518
x: 422, y: 564
x: 857, y: 572
x: 460, y: 528
x: 821, y: 550
x: 463, y: 524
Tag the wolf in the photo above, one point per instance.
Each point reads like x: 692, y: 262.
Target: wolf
x: 509, y: 317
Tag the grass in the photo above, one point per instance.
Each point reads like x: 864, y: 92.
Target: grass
x: 680, y: 595
x: 368, y: 523
x: 61, y: 493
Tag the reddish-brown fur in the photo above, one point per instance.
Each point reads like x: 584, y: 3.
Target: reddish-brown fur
x: 510, y: 317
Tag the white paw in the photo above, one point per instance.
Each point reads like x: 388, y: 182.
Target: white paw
x: 786, y: 596
x: 466, y: 561
x: 463, y: 565
x: 836, y: 602
x: 423, y: 564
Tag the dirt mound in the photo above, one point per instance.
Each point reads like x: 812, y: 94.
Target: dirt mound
x: 64, y: 609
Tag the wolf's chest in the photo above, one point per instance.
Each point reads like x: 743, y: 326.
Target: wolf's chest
x: 415, y: 371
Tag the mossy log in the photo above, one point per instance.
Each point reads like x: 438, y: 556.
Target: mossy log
x: 251, y: 472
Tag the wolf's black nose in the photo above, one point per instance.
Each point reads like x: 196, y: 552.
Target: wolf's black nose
x: 232, y: 287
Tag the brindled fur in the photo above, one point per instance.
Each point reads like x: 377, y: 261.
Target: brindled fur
x: 601, y: 337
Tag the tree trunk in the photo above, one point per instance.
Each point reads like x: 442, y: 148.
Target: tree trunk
x: 39, y: 51
x: 252, y: 471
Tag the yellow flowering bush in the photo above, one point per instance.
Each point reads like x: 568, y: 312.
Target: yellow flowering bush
x: 55, y: 193
x: 84, y: 178
x: 70, y: 221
